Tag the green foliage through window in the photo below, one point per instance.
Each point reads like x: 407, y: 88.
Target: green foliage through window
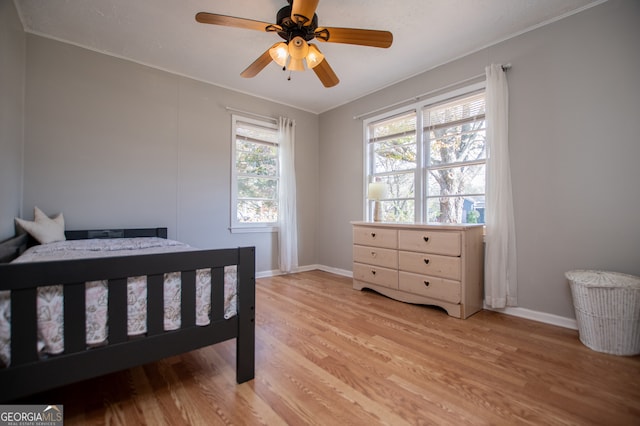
x: 256, y: 173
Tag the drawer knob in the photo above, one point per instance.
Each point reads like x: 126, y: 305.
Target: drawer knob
x: 426, y: 283
x: 373, y: 272
x: 373, y: 254
x: 373, y: 235
x: 426, y: 261
x: 426, y: 239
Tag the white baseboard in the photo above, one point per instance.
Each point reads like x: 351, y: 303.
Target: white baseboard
x: 266, y: 274
x: 516, y: 311
x: 538, y: 316
x: 306, y: 268
x: 336, y: 271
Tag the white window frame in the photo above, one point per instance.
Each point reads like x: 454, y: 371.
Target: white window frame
x: 236, y: 226
x: 421, y: 171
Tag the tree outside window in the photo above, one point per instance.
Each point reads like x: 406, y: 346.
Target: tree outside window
x: 437, y: 174
x: 255, y: 173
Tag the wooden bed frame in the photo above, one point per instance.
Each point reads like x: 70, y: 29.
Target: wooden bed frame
x: 28, y: 374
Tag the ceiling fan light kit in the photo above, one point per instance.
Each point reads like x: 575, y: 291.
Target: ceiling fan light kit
x: 297, y: 24
x: 314, y: 57
x: 280, y: 53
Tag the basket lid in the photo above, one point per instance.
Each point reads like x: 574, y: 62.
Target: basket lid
x: 590, y: 278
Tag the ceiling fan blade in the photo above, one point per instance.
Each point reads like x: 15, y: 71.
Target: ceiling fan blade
x: 303, y: 11
x: 325, y: 73
x: 232, y: 21
x: 373, y: 38
x: 258, y: 65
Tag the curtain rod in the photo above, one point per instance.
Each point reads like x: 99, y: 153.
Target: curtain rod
x: 504, y: 67
x: 230, y: 109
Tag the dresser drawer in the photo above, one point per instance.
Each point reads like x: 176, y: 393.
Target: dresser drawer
x: 375, y: 275
x: 430, y: 264
x: 424, y: 285
x: 438, y: 242
x: 376, y: 237
x: 377, y: 256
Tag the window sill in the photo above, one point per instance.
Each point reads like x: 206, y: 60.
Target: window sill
x: 252, y: 229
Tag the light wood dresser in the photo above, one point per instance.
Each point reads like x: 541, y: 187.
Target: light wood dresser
x: 440, y: 265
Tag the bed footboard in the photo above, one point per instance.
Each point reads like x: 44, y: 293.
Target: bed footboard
x: 29, y: 374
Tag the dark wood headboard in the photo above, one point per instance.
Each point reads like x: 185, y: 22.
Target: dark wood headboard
x: 13, y: 247
x: 116, y: 233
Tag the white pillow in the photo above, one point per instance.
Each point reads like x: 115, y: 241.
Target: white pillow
x: 44, y: 229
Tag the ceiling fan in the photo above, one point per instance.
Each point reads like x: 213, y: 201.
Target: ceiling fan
x: 297, y: 24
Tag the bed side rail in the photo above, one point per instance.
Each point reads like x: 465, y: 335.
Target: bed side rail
x: 122, y: 351
x: 24, y: 278
x: 34, y: 274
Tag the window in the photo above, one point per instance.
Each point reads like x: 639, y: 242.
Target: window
x: 393, y: 160
x: 255, y: 173
x: 431, y: 157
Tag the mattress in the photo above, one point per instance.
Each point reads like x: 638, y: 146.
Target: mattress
x: 50, y: 298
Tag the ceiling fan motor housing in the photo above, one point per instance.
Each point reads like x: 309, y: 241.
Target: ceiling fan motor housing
x: 290, y: 29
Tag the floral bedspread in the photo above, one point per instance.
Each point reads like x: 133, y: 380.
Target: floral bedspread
x: 50, y: 298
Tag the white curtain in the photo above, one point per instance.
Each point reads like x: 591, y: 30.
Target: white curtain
x: 500, y: 280
x: 288, y: 232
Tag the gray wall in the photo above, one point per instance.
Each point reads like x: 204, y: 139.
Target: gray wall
x: 574, y: 140
x: 12, y: 64
x: 111, y: 143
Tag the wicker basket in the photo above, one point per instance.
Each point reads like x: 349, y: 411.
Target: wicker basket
x: 607, y: 306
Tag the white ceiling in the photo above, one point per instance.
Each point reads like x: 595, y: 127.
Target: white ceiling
x: 164, y: 34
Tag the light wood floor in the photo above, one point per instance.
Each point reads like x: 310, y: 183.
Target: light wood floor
x: 330, y: 355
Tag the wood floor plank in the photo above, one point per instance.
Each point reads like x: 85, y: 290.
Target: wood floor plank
x: 328, y: 354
